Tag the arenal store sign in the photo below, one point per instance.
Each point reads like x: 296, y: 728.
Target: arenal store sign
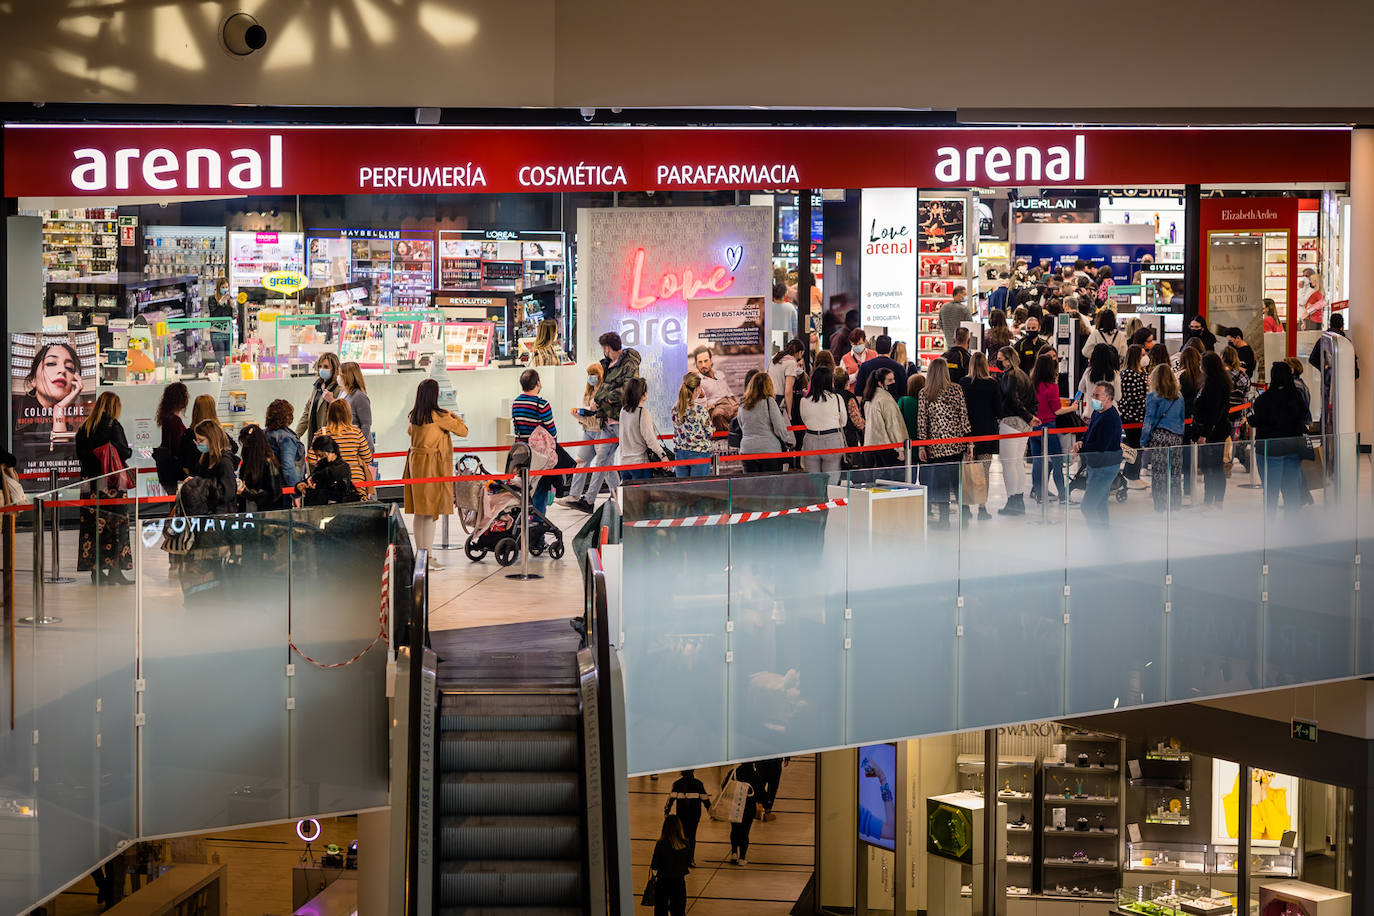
x: 106, y: 160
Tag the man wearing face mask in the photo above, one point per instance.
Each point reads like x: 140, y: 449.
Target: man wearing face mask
x: 1028, y: 345
x: 882, y: 345
x: 316, y: 414
x: 858, y: 355
x: 1101, y: 451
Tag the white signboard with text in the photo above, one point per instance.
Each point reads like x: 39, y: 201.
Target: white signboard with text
x: 888, y: 261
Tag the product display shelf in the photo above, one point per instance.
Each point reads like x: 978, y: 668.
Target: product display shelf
x: 1014, y: 784
x: 1265, y: 861
x: 1161, y: 785
x: 80, y: 244
x: 1082, y: 810
x: 1170, y: 858
x: 180, y: 250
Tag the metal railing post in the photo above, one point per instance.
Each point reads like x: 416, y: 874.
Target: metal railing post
x: 906, y: 458
x: 55, y: 577
x: 1045, y: 474
x: 525, y: 523
x: 38, y: 618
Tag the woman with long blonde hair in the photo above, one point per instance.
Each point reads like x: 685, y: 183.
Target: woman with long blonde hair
x: 941, y: 414
x: 545, y: 351
x: 103, y: 535
x: 692, y: 429
x: 355, y: 393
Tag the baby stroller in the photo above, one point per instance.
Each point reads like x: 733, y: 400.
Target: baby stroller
x: 1080, y: 482
x: 498, y: 530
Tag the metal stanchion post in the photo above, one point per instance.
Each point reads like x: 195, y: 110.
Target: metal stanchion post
x: 524, y: 529
x: 1045, y: 474
x: 906, y: 458
x: 39, y: 618
x: 55, y: 577
x: 715, y: 464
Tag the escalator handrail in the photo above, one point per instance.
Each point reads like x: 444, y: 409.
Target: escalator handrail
x: 418, y: 633
x: 598, y: 640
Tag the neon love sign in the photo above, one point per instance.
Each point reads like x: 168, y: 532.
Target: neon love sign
x: 671, y: 283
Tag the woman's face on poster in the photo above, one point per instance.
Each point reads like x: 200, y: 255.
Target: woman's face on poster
x: 57, y: 375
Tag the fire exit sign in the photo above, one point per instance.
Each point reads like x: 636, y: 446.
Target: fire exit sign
x: 1305, y: 730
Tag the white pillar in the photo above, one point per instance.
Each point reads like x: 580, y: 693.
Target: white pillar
x: 1360, y: 315
x: 374, y: 861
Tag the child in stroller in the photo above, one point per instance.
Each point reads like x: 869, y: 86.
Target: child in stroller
x: 498, y: 529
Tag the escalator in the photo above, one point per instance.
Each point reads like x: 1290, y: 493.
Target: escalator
x: 511, y: 822
x: 512, y: 783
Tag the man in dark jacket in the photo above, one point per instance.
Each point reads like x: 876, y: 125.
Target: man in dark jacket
x: 1101, y: 451
x: 620, y: 365
x: 689, y: 794
x: 882, y: 344
x: 958, y: 357
x: 1028, y: 345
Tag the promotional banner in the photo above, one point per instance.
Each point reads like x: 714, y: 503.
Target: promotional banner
x: 1235, y: 283
x: 1269, y: 222
x: 1121, y: 246
x: 52, y: 390
x: 732, y: 331
x: 888, y: 261
x: 1273, y: 804
x: 639, y: 268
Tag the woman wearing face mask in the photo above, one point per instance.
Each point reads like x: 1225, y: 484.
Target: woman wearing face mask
x: 1198, y: 328
x: 316, y: 414
x: 215, y: 465
x: 858, y: 355
x: 221, y: 306
x: 590, y: 423
x: 1134, y: 386
x: 49, y: 409
x: 1017, y: 415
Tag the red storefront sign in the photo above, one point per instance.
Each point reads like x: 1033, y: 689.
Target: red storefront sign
x: 108, y: 160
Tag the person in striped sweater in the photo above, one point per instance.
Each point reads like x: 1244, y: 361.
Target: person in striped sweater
x: 528, y: 412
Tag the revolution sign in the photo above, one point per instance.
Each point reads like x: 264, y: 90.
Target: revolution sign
x: 140, y: 160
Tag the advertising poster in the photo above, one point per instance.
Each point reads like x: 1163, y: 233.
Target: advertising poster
x: 639, y: 268
x: 1121, y: 246
x: 52, y: 390
x: 1235, y: 280
x: 732, y: 329
x: 877, y: 800
x: 941, y: 224
x: 1273, y: 804
x: 888, y: 261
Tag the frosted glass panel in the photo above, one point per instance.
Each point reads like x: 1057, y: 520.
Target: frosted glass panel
x: 902, y: 579
x: 116, y: 668
x: 20, y: 879
x: 1011, y: 656
x: 1215, y: 561
x: 214, y: 657
x: 339, y: 762
x: 674, y: 594
x: 787, y: 677
x: 1310, y: 628
x: 1116, y: 573
x: 1364, y: 523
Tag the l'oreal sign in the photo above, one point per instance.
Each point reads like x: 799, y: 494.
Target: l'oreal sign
x: 285, y: 281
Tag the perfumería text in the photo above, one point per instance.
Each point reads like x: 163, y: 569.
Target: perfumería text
x: 778, y: 175
x: 995, y: 164
x: 582, y: 175
x: 412, y: 176
x: 247, y: 168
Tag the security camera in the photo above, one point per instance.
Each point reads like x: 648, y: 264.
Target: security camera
x: 588, y: 114
x: 242, y: 35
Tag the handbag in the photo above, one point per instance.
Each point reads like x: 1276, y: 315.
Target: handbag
x: 115, y: 472
x: 177, y: 537
x: 650, y: 895
x: 1129, y: 455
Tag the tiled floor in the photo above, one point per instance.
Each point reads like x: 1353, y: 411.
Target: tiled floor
x: 781, y: 850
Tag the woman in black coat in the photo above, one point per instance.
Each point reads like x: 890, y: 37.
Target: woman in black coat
x: 216, y: 465
x: 1279, y: 417
x: 103, y: 536
x: 1212, y: 426
x: 670, y: 864
x: 983, y: 396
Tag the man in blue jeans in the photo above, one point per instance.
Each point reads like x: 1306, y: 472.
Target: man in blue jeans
x: 1100, y: 449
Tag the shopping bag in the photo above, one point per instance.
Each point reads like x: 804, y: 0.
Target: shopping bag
x: 177, y: 536
x: 114, y: 472
x: 650, y: 890
x: 738, y: 801
x: 975, y: 483
x: 543, y: 450
x: 1228, y: 455
x: 1315, y: 469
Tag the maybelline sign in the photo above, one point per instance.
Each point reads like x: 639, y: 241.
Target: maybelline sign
x: 169, y: 160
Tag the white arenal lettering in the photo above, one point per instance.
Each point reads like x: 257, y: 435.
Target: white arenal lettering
x: 1000, y: 164
x: 411, y: 176
x: 778, y: 175
x: 581, y: 175
x: 164, y: 169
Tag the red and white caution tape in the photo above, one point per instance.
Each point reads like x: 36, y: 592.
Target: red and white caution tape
x: 735, y: 518
x: 381, y: 621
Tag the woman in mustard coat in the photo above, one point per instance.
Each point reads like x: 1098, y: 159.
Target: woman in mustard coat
x: 430, y: 455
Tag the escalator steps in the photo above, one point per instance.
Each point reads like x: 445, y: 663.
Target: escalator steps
x: 525, y: 883
x: 510, y: 793
x: 508, y: 751
x: 528, y: 837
